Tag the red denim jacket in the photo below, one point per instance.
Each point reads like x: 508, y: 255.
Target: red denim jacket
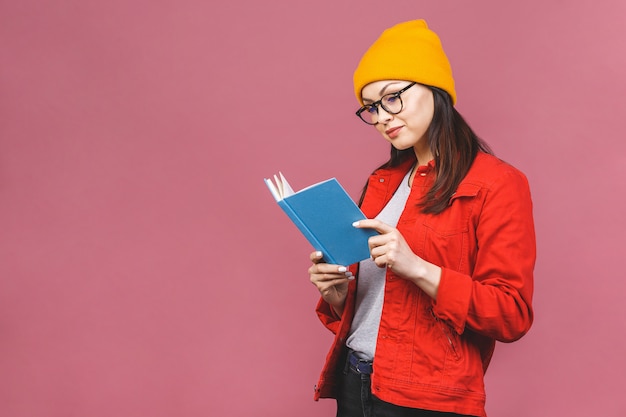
x: 433, y: 354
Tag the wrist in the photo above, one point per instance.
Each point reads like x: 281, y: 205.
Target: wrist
x: 338, y: 310
x: 427, y: 277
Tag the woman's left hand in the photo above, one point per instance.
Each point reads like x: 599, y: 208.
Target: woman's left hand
x: 390, y: 249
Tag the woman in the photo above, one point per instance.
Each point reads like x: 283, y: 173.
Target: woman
x: 451, y: 270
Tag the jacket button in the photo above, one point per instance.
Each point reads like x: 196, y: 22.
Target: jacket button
x: 382, y: 180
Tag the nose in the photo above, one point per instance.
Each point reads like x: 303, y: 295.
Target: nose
x: 383, y: 116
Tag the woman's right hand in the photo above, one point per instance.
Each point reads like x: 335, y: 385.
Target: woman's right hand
x: 330, y: 280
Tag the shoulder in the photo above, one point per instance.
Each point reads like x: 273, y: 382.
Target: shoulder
x: 488, y: 171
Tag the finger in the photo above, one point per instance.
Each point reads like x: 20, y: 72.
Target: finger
x: 324, y: 277
x: 377, y: 225
x: 378, y: 241
x: 328, y: 272
x: 330, y: 283
x: 316, y: 257
x: 323, y: 268
x: 377, y: 251
x: 381, y: 261
x: 326, y: 281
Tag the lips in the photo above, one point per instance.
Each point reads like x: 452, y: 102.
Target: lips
x: 393, y: 132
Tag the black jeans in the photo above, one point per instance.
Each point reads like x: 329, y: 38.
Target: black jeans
x: 356, y: 400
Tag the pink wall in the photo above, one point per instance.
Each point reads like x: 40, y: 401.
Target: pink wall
x: 145, y: 269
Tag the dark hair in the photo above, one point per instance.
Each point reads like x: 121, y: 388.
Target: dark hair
x: 454, y: 146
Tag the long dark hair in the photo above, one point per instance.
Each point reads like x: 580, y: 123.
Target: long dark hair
x: 454, y: 146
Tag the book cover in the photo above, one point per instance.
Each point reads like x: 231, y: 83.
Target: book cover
x: 324, y: 213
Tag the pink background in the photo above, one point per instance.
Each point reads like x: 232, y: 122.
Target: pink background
x: 145, y: 269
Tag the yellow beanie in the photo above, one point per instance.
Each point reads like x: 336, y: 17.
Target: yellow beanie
x: 407, y: 51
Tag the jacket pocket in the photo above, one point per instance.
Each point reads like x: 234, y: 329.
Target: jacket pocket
x: 448, y: 336
x: 447, y: 234
x: 454, y: 219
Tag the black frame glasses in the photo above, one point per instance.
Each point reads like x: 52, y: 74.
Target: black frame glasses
x: 372, y: 109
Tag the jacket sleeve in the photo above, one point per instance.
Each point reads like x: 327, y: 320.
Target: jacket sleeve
x: 496, y: 300
x: 328, y: 316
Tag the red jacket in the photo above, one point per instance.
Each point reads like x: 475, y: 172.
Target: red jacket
x: 433, y: 354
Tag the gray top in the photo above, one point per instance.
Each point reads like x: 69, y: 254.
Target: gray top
x: 371, y: 284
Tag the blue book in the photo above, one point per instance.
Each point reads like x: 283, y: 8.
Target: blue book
x: 324, y: 213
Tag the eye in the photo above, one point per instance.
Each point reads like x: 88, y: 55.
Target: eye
x: 391, y: 98
x: 371, y: 109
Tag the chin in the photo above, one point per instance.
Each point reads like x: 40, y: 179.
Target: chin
x: 401, y: 147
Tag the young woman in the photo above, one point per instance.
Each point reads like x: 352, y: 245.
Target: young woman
x: 451, y: 271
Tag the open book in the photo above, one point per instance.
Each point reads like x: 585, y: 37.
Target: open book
x: 324, y: 213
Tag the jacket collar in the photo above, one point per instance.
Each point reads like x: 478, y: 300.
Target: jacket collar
x: 381, y: 186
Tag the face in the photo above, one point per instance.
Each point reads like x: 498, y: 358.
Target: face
x: 408, y: 128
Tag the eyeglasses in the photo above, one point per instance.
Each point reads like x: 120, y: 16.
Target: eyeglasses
x: 391, y: 103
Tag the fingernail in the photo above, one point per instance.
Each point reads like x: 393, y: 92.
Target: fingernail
x: 355, y: 224
x: 318, y: 254
x: 348, y: 274
x: 342, y: 269
x: 350, y: 278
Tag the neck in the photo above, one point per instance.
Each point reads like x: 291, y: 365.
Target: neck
x: 423, y: 155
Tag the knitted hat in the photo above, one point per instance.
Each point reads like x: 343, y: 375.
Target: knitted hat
x: 407, y: 51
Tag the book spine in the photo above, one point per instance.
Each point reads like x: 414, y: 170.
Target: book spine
x: 305, y: 231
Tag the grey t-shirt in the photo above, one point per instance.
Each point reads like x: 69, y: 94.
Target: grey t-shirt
x: 371, y: 285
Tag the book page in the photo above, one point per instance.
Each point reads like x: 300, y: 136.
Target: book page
x: 273, y: 189
x: 280, y: 188
x: 287, y: 190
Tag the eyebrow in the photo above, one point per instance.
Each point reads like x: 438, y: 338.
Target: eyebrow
x: 382, y: 91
